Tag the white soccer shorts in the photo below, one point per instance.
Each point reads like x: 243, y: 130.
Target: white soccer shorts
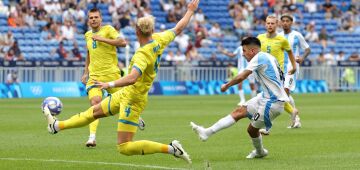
x: 263, y: 111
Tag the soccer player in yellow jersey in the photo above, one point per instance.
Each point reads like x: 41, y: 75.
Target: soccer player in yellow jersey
x: 101, y: 62
x: 131, y: 100
x: 276, y: 44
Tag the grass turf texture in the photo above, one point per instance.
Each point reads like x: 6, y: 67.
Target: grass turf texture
x: 329, y: 138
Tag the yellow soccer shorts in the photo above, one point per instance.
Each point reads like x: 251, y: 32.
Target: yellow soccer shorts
x: 95, y: 91
x: 129, y: 111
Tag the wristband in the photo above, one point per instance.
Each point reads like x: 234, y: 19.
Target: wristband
x: 111, y: 84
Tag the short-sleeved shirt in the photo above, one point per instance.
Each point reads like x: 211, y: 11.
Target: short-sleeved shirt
x: 242, y: 63
x: 267, y: 71
x: 103, y: 58
x: 147, y: 61
x: 296, y: 41
x: 275, y: 46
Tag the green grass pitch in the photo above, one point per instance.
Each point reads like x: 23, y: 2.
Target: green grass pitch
x: 329, y: 138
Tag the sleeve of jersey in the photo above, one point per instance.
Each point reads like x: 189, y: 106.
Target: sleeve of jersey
x: 254, y: 64
x: 140, y: 63
x: 303, y: 43
x: 236, y: 50
x: 167, y: 37
x: 286, y: 45
x: 112, y: 33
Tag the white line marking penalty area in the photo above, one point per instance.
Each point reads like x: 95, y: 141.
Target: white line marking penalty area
x: 91, y: 162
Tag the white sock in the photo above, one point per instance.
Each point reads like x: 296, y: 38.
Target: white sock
x: 92, y: 136
x: 242, y: 95
x: 292, y: 102
x: 253, y: 93
x: 223, y: 123
x: 257, y: 142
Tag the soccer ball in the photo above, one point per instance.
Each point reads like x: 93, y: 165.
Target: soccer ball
x: 54, y: 104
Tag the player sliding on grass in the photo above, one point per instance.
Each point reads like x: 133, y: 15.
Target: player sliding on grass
x: 263, y: 108
x: 101, y: 64
x: 131, y: 100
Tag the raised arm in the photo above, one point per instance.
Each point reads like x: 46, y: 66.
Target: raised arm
x: 191, y: 8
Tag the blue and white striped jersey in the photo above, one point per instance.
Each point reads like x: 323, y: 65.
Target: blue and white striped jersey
x: 242, y: 63
x: 296, y: 41
x: 267, y: 71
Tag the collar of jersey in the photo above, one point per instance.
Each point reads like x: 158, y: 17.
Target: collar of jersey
x: 148, y: 43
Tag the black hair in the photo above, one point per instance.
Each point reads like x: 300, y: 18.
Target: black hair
x: 287, y: 16
x: 251, y: 41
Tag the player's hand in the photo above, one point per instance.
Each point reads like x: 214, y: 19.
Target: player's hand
x: 102, y: 85
x: 299, y: 60
x: 84, y: 78
x: 224, y: 87
x: 97, y: 38
x: 193, y: 5
x: 292, y: 71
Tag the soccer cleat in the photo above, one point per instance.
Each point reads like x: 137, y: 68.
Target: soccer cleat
x: 141, y: 124
x: 255, y: 154
x: 297, y: 123
x: 200, y: 131
x: 179, y: 151
x: 264, y: 131
x: 91, y: 143
x: 50, y: 120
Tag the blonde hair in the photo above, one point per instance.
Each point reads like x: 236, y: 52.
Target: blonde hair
x: 272, y: 17
x: 146, y: 25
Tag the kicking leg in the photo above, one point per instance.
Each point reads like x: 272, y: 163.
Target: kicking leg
x: 223, y: 123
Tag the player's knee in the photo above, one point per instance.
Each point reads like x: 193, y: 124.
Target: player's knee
x: 239, y: 113
x: 95, y: 100
x: 124, y: 148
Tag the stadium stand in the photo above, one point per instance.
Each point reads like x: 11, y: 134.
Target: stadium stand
x: 34, y: 48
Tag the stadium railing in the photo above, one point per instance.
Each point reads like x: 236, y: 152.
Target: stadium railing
x: 338, y: 78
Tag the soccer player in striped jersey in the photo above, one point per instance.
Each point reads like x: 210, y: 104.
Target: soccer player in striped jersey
x: 277, y: 45
x: 296, y: 41
x: 131, y: 100
x: 101, y: 63
x: 242, y: 63
x: 263, y: 108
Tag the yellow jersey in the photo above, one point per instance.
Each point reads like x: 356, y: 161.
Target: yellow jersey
x: 275, y: 46
x: 147, y: 61
x: 103, y: 58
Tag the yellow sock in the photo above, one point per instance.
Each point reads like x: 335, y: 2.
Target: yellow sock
x: 142, y: 147
x: 78, y: 120
x: 288, y: 108
x: 93, y: 126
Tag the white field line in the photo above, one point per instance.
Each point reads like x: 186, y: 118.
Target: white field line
x: 91, y: 162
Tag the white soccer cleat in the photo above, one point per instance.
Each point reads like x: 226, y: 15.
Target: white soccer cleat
x: 180, y: 152
x: 141, y: 124
x: 91, y: 143
x: 50, y: 120
x: 297, y: 123
x: 255, y: 154
x: 200, y: 131
x: 264, y: 131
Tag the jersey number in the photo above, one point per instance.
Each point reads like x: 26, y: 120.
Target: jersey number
x: 281, y: 73
x: 157, y: 62
x: 268, y: 49
x: 94, y: 45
